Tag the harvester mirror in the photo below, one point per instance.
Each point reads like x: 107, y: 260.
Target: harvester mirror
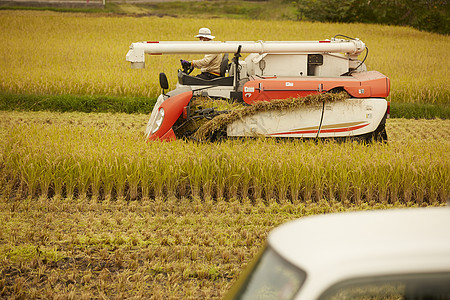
x: 262, y: 65
x: 163, y: 82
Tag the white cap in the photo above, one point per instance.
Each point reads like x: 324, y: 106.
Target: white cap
x: 205, y: 32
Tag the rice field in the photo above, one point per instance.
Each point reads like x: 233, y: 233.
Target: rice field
x: 67, y: 53
x: 89, y: 210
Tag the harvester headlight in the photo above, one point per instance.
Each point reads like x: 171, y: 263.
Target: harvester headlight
x: 159, y: 120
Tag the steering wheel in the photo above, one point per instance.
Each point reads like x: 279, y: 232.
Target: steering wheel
x: 187, y: 67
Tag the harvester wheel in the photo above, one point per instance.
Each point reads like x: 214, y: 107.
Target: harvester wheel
x: 380, y: 136
x: 217, y: 136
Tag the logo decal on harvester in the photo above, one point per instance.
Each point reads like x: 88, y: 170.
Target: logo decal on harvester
x: 289, y: 83
x: 249, y: 89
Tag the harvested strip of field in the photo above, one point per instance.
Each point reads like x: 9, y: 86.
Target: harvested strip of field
x: 104, y: 157
x: 159, y: 249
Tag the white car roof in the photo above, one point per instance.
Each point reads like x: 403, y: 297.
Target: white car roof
x: 335, y: 247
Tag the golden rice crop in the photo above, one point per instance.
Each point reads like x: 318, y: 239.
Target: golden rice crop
x: 200, y: 211
x: 65, y: 53
x: 109, y: 159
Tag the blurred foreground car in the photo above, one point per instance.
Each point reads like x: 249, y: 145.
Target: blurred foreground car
x: 390, y: 254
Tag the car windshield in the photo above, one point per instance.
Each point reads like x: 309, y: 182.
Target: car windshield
x: 409, y: 286
x: 271, y: 278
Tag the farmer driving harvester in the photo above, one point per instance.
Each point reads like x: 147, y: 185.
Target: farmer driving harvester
x: 210, y: 64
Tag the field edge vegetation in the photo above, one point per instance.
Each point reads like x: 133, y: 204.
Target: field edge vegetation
x: 430, y: 15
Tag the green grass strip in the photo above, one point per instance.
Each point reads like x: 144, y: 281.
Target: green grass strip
x: 75, y: 103
x: 420, y: 111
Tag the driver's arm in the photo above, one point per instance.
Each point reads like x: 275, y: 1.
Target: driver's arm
x: 204, y: 62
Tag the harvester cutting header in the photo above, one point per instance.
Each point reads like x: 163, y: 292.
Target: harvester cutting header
x: 302, y: 72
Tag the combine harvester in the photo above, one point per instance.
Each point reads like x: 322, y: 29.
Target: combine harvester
x: 272, y: 71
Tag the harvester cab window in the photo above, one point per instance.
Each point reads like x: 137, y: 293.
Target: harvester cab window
x: 314, y: 60
x: 185, y: 79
